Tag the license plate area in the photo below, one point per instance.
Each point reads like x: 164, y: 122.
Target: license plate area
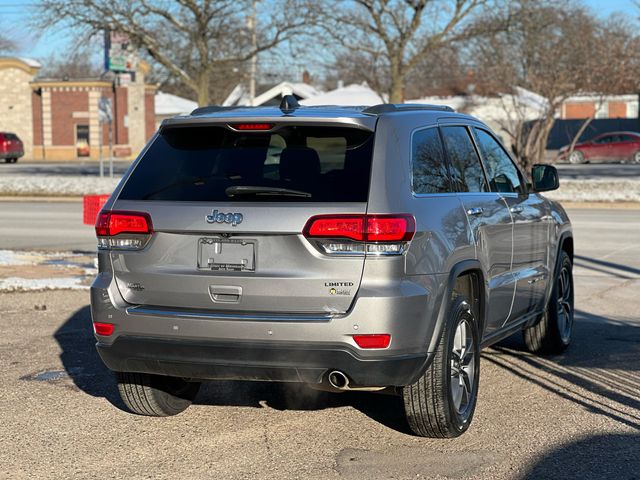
x: 226, y: 254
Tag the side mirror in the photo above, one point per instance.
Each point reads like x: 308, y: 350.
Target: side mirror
x: 544, y: 178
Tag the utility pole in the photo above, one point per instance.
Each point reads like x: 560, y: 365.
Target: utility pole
x: 254, y: 58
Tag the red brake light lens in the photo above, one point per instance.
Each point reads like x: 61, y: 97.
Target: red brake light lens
x: 363, y: 228
x: 109, y: 224
x: 390, y: 228
x: 104, y: 329
x: 252, y: 126
x: 378, y: 340
x: 336, y: 226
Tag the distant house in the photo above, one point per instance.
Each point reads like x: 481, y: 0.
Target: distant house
x: 270, y: 95
x: 600, y: 106
x: 60, y: 118
x: 352, y: 95
x: 168, y: 105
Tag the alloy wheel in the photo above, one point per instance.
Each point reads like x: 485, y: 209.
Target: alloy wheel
x: 463, y: 363
x: 565, y: 303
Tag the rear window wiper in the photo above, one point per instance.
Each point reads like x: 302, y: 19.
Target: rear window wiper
x: 257, y: 190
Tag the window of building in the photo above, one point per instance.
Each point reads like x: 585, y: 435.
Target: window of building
x: 463, y: 160
x: 430, y: 173
x: 503, y: 174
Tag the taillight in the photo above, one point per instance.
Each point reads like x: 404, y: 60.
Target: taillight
x: 376, y: 340
x: 360, y: 234
x: 123, y: 230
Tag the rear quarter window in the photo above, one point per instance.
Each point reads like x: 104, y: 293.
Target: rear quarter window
x: 429, y: 168
x: 290, y: 163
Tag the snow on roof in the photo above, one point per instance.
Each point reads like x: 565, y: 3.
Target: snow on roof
x: 240, y: 96
x: 354, y: 94
x: 30, y: 61
x: 167, y: 104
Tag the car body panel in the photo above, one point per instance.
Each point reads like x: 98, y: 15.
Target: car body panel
x: 287, y: 301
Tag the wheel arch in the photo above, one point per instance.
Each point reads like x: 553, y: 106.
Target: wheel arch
x: 472, y: 273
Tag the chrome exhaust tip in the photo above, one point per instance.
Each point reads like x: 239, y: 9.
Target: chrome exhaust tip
x: 338, y: 380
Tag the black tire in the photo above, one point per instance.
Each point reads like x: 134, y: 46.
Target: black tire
x: 155, y: 395
x: 552, y: 333
x: 430, y: 404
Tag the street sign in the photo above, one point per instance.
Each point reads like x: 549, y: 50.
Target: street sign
x: 119, y: 53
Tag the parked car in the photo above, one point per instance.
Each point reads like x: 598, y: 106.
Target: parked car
x: 349, y: 248
x: 11, y: 147
x: 613, y: 146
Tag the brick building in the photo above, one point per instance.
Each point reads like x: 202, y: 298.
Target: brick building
x: 59, y: 119
x: 611, y: 106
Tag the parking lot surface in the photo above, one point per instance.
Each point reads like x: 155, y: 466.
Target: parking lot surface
x: 571, y: 416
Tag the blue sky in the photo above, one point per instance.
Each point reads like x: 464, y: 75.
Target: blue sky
x: 14, y: 15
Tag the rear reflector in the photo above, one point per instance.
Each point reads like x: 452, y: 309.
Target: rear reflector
x: 252, y: 126
x: 378, y: 340
x: 362, y: 228
x: 113, y: 223
x: 104, y: 329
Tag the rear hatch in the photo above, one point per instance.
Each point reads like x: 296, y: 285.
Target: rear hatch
x: 228, y: 205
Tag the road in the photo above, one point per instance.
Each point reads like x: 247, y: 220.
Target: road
x: 570, y: 416
x: 81, y: 167
x: 44, y: 225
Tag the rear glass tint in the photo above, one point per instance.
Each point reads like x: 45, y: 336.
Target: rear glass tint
x: 291, y: 163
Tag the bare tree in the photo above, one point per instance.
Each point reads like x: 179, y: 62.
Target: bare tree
x: 191, y: 40
x: 395, y: 35
x: 75, y: 64
x: 614, y: 66
x: 547, y: 49
x: 6, y: 44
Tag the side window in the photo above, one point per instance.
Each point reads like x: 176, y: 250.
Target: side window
x: 430, y: 173
x: 463, y: 159
x: 503, y: 174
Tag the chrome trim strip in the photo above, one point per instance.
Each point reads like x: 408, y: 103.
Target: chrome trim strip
x: 157, y: 312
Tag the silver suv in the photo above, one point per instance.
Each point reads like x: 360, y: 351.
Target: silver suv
x: 349, y: 248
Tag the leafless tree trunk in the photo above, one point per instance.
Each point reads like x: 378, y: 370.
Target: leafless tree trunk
x: 190, y: 39
x: 402, y: 32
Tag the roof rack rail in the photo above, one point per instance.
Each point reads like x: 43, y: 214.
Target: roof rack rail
x: 404, y: 107
x: 212, y: 109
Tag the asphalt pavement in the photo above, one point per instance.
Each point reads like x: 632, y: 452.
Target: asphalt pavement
x: 575, y: 415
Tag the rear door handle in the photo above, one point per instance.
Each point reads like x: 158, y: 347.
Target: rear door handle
x: 516, y: 209
x: 475, y: 211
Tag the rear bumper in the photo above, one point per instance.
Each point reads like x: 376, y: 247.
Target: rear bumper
x: 284, y: 347
x: 256, y: 361
x: 16, y: 154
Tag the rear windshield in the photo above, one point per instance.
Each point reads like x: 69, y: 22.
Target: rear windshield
x: 289, y: 163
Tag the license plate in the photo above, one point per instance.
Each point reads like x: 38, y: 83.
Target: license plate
x: 226, y: 254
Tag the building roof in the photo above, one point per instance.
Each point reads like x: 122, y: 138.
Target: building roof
x: 168, y: 104
x: 354, y: 94
x: 239, y: 96
x: 27, y: 64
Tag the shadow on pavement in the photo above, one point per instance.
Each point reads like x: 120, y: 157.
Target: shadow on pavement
x: 602, y: 266
x: 595, y: 457
x: 81, y: 360
x: 603, y: 360
x: 84, y: 366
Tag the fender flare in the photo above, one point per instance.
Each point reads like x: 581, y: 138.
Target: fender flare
x: 443, y: 312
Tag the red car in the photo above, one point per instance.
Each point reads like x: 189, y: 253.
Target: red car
x: 612, y: 146
x: 11, y: 147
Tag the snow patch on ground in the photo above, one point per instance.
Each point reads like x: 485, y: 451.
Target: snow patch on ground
x: 17, y: 284
x: 56, y: 185
x: 597, y: 191
x: 28, y: 271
